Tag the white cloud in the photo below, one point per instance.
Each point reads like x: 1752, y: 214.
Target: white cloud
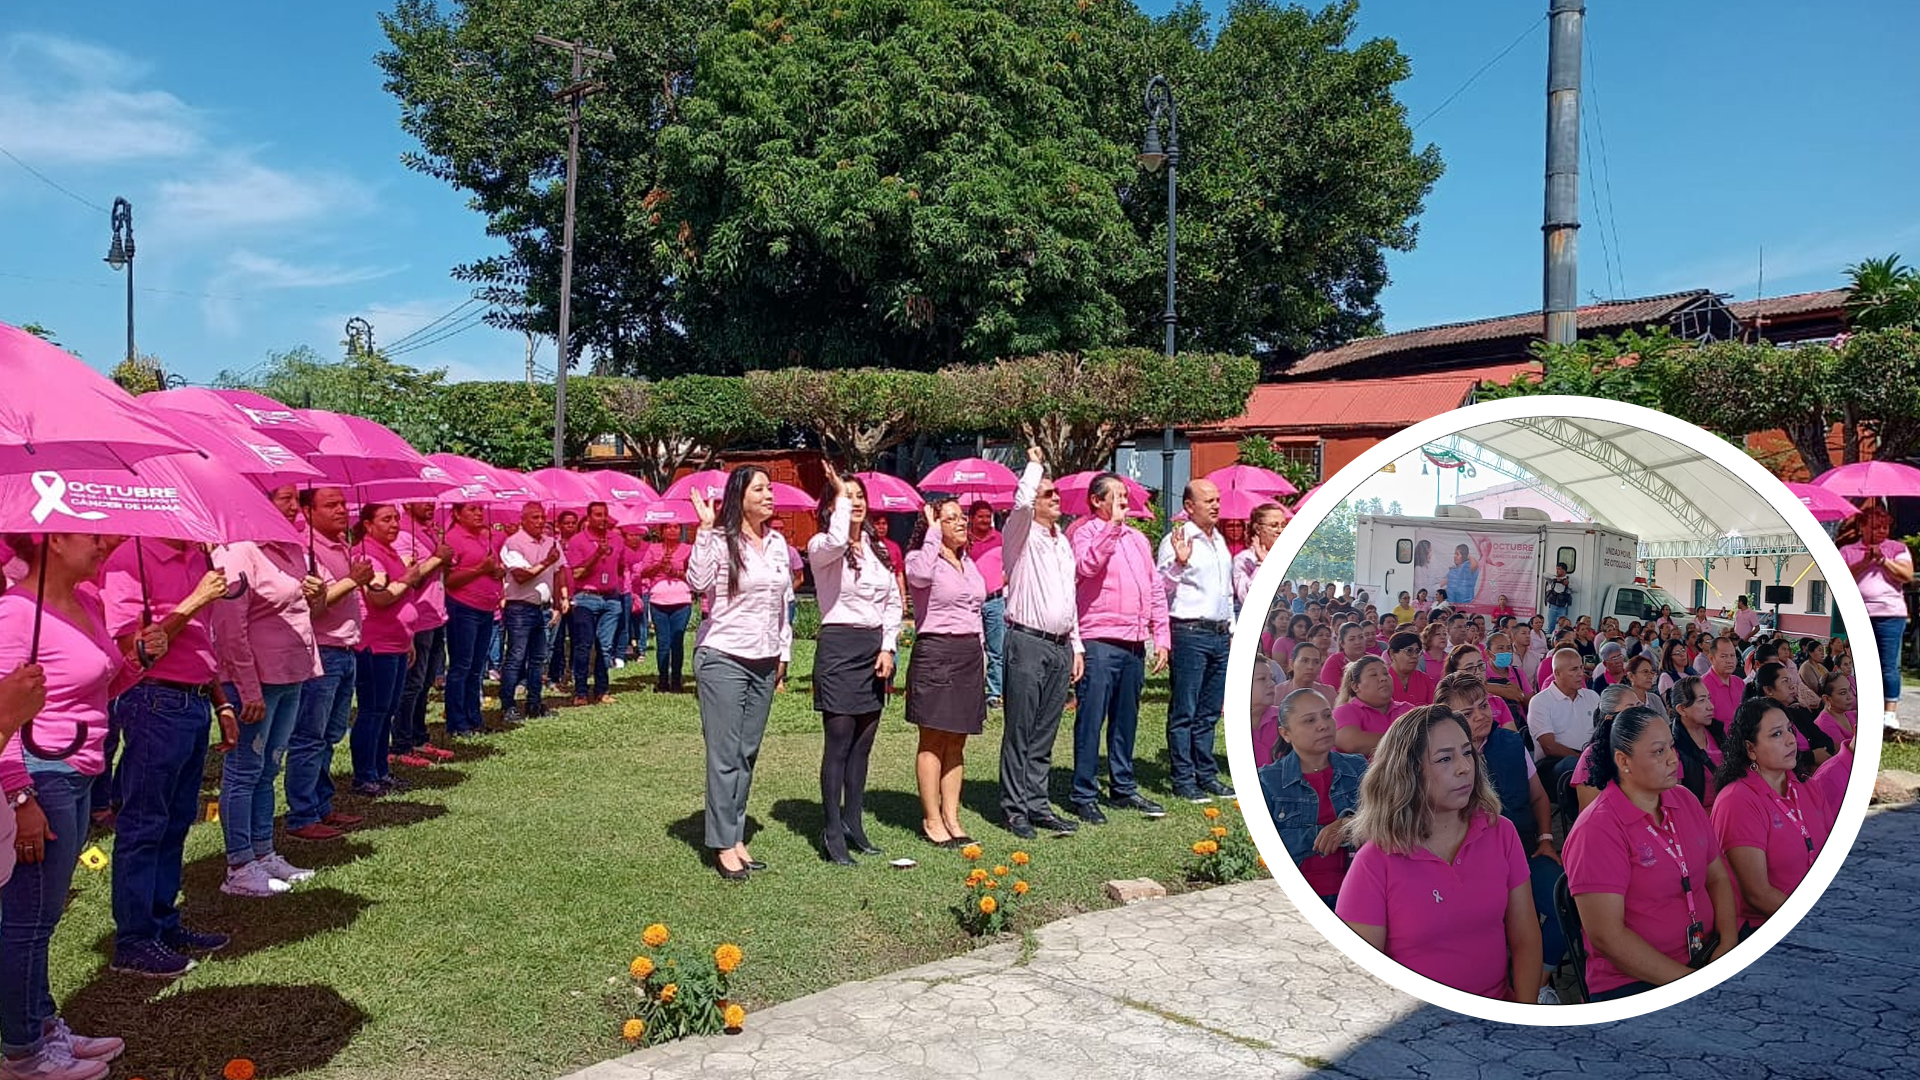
x: 251, y: 273
x: 65, y: 102
x: 236, y: 192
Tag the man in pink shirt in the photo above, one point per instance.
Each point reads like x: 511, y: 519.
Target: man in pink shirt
x: 984, y: 547
x: 326, y: 702
x: 593, y: 556
x: 422, y: 545
x: 1122, y: 606
x: 1724, y: 686
x: 163, y: 720
x: 1746, y: 621
x: 474, y: 573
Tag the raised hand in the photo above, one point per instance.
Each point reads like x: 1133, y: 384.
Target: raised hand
x: 1034, y: 456
x: 702, y: 508
x: 834, y: 481
x: 1182, y: 545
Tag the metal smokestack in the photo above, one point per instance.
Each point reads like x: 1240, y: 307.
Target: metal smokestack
x: 1567, y: 20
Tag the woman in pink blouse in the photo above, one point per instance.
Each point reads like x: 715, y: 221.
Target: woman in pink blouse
x: 263, y: 640
x: 670, y: 603
x: 853, y: 658
x: 740, y: 568
x: 82, y: 668
x: 386, y: 645
x: 947, y: 676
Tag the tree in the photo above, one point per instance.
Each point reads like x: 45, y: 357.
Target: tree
x: 44, y: 334
x: 916, y: 183
x: 858, y: 413
x: 1329, y: 552
x: 683, y: 421
x: 1883, y: 294
x: 1078, y: 407
x: 403, y: 398
x: 142, y: 375
x: 510, y: 424
x: 1261, y: 453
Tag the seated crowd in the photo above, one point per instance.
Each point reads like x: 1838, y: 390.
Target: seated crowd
x: 1417, y: 761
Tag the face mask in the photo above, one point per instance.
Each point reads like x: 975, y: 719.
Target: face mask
x: 1503, y: 660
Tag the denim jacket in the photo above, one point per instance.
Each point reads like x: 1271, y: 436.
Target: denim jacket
x: 1294, y: 804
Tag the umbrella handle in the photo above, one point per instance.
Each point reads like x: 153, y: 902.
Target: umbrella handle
x: 238, y: 589
x: 45, y: 754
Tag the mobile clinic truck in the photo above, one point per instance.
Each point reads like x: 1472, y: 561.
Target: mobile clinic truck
x: 1477, y: 560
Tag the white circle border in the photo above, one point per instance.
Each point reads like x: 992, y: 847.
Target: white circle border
x: 1336, y: 490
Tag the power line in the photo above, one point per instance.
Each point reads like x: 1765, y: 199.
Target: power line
x: 404, y: 338
x: 478, y: 318
x: 198, y: 295
x: 1606, y: 172
x: 1484, y: 68
x: 1599, y: 220
x: 50, y: 182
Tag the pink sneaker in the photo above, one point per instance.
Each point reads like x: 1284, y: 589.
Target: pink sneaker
x: 52, y: 1063
x: 83, y: 1047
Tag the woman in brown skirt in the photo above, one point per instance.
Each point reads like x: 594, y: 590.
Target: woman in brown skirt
x: 947, y: 676
x: 853, y: 661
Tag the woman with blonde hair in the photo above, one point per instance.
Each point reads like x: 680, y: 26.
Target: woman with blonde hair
x: 1440, y: 883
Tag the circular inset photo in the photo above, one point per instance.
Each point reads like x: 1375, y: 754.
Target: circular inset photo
x: 1552, y: 709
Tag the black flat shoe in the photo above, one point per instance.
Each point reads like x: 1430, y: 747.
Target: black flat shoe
x: 756, y: 864
x: 861, y: 845
x: 730, y: 875
x: 947, y: 843
x: 836, y: 857
x: 962, y: 841
x: 1019, y: 827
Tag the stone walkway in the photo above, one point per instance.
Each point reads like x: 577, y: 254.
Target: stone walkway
x: 1232, y: 982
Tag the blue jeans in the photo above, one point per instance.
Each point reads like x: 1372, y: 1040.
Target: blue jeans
x: 559, y: 655
x: 106, y: 792
x: 639, y: 614
x: 623, y: 626
x: 1543, y: 874
x: 382, y: 678
x: 249, y: 769
x: 429, y: 663
x: 468, y: 639
x: 993, y: 618
x: 496, y: 644
x: 670, y: 628
x: 160, y: 773
x: 1111, y: 697
x: 1554, y: 615
x: 31, y: 905
x: 1887, y: 635
x: 526, y: 626
x: 326, y: 709
x: 1199, y: 667
x: 595, y: 618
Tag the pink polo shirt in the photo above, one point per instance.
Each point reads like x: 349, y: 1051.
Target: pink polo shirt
x: 946, y: 600
x: 986, y: 556
x: 386, y: 631
x: 1827, y: 723
x: 666, y: 575
x: 338, y: 627
x: 171, y: 576
x: 1416, y: 689
x: 1118, y: 590
x: 1266, y: 735
x: 416, y: 544
x: 1830, y: 780
x: 1447, y: 921
x: 1336, y: 667
x: 1726, y: 695
x: 1790, y: 831
x: 264, y: 638
x: 84, y: 668
x: 1357, y: 713
x: 1615, y: 847
x: 470, y: 549
x: 606, y: 574
x: 748, y: 621
x: 635, y: 568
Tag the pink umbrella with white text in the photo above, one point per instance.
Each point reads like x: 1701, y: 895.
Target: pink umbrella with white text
x: 1823, y: 504
x: 1253, y: 479
x: 1864, y: 479
x: 890, y: 494
x: 1075, y: 487
x: 970, y: 476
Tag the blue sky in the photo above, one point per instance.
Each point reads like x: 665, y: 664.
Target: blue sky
x: 263, y: 162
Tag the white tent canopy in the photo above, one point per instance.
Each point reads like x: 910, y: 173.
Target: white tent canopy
x: 1634, y: 480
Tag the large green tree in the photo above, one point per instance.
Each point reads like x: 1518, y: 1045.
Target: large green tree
x: 858, y: 413
x: 403, y: 398
x: 915, y: 183
x: 684, y: 421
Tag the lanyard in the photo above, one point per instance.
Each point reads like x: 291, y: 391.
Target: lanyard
x: 1669, y: 838
x: 1790, y: 806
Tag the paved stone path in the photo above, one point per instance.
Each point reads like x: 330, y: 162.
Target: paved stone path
x: 1232, y: 982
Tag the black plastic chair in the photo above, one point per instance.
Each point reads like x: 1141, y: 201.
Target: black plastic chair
x: 1567, y: 801
x: 1576, y: 941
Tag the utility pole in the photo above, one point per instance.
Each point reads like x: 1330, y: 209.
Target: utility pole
x: 576, y: 91
x: 1567, y: 19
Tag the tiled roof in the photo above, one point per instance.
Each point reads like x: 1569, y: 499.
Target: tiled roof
x: 1827, y: 301
x: 1608, y: 317
x: 1392, y: 403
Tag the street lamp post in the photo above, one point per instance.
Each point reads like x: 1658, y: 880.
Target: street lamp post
x: 120, y: 257
x: 1153, y: 154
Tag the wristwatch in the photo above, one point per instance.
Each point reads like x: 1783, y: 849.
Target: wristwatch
x: 19, y: 798
x: 1545, y: 836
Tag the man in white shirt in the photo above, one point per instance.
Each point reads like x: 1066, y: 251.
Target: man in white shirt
x: 1044, y: 655
x: 536, y: 598
x: 1197, y: 567
x: 1560, y: 716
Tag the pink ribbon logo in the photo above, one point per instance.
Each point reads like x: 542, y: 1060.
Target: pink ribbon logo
x: 52, y: 489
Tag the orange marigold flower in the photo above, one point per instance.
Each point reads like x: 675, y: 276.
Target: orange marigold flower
x: 633, y: 1030
x: 1020, y: 888
x: 988, y: 905
x: 239, y: 1069
x: 641, y: 967
x: 1211, y: 812
x: 976, y: 875
x: 655, y: 935
x: 734, y: 1015
x: 727, y: 957
x: 1219, y: 831
x: 668, y: 993
x: 1019, y: 858
x: 1199, y: 847
x: 971, y: 851
x: 989, y: 884
x: 1262, y: 860
x: 1001, y: 871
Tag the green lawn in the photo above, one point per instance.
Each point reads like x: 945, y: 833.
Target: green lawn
x: 471, y: 929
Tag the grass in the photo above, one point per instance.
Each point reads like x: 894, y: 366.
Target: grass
x: 472, y: 928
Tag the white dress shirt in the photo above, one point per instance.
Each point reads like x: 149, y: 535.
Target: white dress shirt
x: 522, y: 552
x: 1202, y: 589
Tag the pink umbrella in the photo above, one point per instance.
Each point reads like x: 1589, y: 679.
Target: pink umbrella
x: 58, y: 413
x: 567, y: 487
x: 256, y: 413
x: 1864, y: 479
x: 1251, y: 478
x: 352, y: 450
x: 268, y: 462
x: 618, y: 487
x: 1237, y: 505
x: 1824, y: 504
x: 1300, y: 503
x: 970, y: 475
x: 1000, y: 499
x: 791, y: 500
x: 711, y: 483
x: 1074, y: 489
x: 669, y: 512
x: 889, y: 494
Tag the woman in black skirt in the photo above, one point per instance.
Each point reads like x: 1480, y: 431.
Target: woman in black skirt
x: 947, y: 677
x: 853, y: 662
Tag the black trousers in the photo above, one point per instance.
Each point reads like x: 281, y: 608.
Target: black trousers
x: 1039, y: 676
